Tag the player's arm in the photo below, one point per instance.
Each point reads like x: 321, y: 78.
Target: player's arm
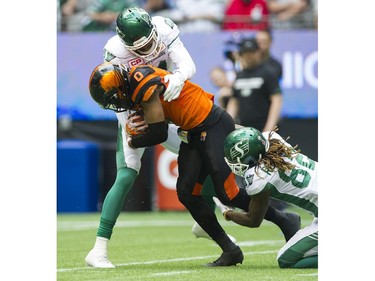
x: 257, y: 209
x: 184, y: 65
x: 182, y: 60
x: 154, y: 116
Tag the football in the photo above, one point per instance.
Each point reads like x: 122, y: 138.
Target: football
x: 136, y: 124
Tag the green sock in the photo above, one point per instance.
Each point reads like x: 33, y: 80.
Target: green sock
x: 208, y: 191
x: 114, y: 201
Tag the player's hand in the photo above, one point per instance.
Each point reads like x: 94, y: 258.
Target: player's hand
x: 223, y: 208
x: 176, y: 82
x: 136, y: 124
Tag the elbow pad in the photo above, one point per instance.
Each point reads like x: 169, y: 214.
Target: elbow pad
x: 156, y: 133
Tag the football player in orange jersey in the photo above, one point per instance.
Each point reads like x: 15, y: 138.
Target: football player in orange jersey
x: 204, y: 127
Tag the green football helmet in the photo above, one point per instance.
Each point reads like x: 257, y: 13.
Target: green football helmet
x: 243, y: 148
x: 110, y: 88
x: 138, y: 33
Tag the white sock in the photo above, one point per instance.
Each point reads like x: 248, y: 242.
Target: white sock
x: 101, y: 244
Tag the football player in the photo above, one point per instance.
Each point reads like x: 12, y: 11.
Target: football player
x: 205, y: 127
x: 272, y: 168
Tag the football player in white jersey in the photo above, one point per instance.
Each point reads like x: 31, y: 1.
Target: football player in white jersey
x: 271, y: 167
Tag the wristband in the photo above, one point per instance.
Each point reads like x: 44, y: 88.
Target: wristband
x: 225, y: 214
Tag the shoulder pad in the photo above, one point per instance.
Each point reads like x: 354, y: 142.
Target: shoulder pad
x: 167, y: 29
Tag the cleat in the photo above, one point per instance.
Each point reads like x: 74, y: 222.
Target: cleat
x: 199, y: 232
x: 98, y: 260
x: 228, y: 258
x: 292, y: 226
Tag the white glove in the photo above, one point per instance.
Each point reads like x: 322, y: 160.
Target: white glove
x: 223, y: 208
x: 176, y: 82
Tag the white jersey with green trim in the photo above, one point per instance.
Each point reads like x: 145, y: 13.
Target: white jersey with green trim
x: 172, y: 56
x: 298, y: 186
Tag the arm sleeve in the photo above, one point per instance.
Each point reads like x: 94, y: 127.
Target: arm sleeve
x: 156, y: 133
x: 182, y: 60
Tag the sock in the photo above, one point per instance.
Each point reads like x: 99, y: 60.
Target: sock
x: 101, y: 244
x: 225, y: 243
x: 114, y: 201
x: 208, y: 192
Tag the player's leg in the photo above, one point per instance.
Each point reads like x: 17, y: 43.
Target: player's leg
x: 128, y: 162
x: 301, y: 251
x: 208, y: 191
x: 189, y: 194
x: 173, y: 145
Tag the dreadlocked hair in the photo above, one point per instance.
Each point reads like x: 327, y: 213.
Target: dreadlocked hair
x: 274, y: 157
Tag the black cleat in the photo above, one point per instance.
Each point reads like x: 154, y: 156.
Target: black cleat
x: 292, y: 226
x: 228, y: 258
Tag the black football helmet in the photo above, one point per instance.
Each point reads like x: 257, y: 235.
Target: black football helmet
x: 110, y: 88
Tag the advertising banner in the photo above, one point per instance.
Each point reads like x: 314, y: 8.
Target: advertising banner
x: 165, y: 180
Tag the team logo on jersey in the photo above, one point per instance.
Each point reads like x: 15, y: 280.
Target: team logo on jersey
x: 108, y: 56
x: 136, y: 61
x: 248, y: 180
x: 203, y: 136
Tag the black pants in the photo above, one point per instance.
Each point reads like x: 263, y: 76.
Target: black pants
x: 204, y: 155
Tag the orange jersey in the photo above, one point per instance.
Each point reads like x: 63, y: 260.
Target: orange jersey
x: 187, y: 111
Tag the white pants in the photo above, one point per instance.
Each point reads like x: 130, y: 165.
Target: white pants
x: 132, y: 157
x: 303, y: 244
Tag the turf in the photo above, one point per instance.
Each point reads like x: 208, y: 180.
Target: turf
x: 160, y: 246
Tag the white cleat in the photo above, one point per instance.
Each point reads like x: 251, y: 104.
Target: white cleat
x: 98, y: 260
x: 199, y: 232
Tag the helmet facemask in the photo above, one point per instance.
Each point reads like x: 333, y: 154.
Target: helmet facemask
x: 110, y: 88
x: 237, y: 168
x: 113, y: 101
x: 147, y: 48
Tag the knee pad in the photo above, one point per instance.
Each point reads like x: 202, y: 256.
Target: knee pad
x: 132, y: 158
x: 133, y: 162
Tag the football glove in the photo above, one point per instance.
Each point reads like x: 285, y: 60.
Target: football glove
x: 136, y: 124
x: 223, y: 208
x: 176, y: 82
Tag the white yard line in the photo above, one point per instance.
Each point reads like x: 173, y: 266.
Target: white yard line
x: 82, y: 225
x: 162, y: 261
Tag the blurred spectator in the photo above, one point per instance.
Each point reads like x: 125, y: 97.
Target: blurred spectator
x: 101, y: 15
x: 314, y: 7
x: 246, y: 15
x: 58, y: 18
x: 158, y: 7
x: 264, y: 40
x: 199, y: 15
x: 257, y: 98
x: 219, y: 78
x: 73, y: 12
x: 290, y: 14
x: 231, y: 56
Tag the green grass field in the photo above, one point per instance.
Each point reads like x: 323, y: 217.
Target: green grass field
x: 160, y: 246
